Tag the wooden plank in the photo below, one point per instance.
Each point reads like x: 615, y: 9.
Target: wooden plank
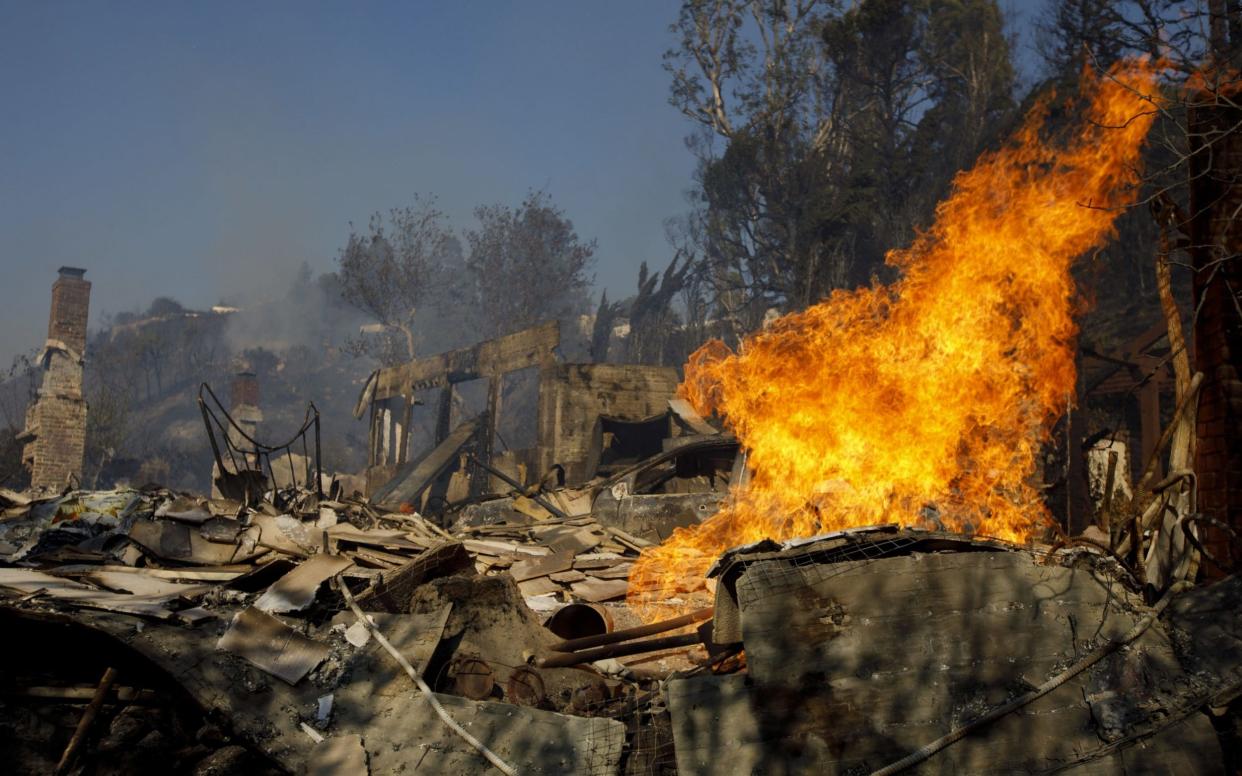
x: 498, y: 549
x: 368, y: 558
x: 537, y: 586
x: 375, y: 537
x: 682, y: 409
x: 596, y: 591
x: 392, y: 557
x: 530, y: 347
x: 620, y: 571
x: 598, y: 560
x: 541, y: 567
x: 577, y: 542
x: 573, y: 502
x: 193, y: 574
x: 629, y: 540
x: 29, y: 581
x: 143, y: 584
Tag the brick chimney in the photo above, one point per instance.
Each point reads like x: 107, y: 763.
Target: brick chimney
x: 245, y: 390
x: 71, y: 298
x: 56, y: 422
x: 244, y: 407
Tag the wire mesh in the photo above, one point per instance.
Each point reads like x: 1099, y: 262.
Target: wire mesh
x: 778, y: 575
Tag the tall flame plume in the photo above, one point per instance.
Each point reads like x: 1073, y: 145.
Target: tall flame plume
x: 926, y: 400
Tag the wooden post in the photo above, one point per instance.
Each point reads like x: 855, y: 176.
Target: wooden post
x: 494, y: 393
x: 1077, y: 487
x: 88, y: 720
x: 1149, y: 420
x: 1106, y: 504
x: 480, y: 477
x: 385, y: 434
x: 403, y: 433
x: 444, y: 413
x: 374, y: 436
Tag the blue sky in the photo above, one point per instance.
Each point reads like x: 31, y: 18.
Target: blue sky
x: 201, y: 149
x: 198, y: 149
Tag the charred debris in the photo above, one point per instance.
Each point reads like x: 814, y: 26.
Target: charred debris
x: 463, y: 611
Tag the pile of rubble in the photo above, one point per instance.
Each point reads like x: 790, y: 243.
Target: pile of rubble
x: 301, y: 634
x: 227, y: 598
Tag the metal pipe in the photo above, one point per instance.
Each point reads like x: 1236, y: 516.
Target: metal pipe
x: 633, y: 633
x: 563, y: 659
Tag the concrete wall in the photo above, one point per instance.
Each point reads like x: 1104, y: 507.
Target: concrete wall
x: 573, y: 396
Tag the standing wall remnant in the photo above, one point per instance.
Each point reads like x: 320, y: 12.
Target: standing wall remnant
x: 244, y: 408
x: 1215, y: 165
x: 55, y: 432
x: 573, y: 397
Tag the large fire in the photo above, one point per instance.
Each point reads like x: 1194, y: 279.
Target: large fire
x: 925, y: 401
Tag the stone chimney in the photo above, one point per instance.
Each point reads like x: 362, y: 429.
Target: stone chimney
x: 244, y: 391
x: 56, y: 422
x: 244, y: 409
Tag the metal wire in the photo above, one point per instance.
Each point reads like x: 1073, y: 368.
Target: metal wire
x: 217, y: 418
x: 765, y: 579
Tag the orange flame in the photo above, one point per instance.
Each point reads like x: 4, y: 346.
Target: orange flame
x: 928, y: 399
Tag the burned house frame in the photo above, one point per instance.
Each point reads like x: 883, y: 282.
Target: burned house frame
x: 391, y: 394
x: 575, y: 404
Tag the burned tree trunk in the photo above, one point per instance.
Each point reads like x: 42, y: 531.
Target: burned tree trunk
x: 1215, y: 168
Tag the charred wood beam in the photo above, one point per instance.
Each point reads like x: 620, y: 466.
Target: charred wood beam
x: 86, y: 722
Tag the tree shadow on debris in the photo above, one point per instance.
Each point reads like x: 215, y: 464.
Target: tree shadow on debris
x: 855, y: 664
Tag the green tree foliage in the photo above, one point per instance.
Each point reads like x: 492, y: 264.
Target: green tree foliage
x: 825, y: 134
x: 391, y: 268
x: 526, y: 265
x: 1076, y: 34
x: 409, y: 273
